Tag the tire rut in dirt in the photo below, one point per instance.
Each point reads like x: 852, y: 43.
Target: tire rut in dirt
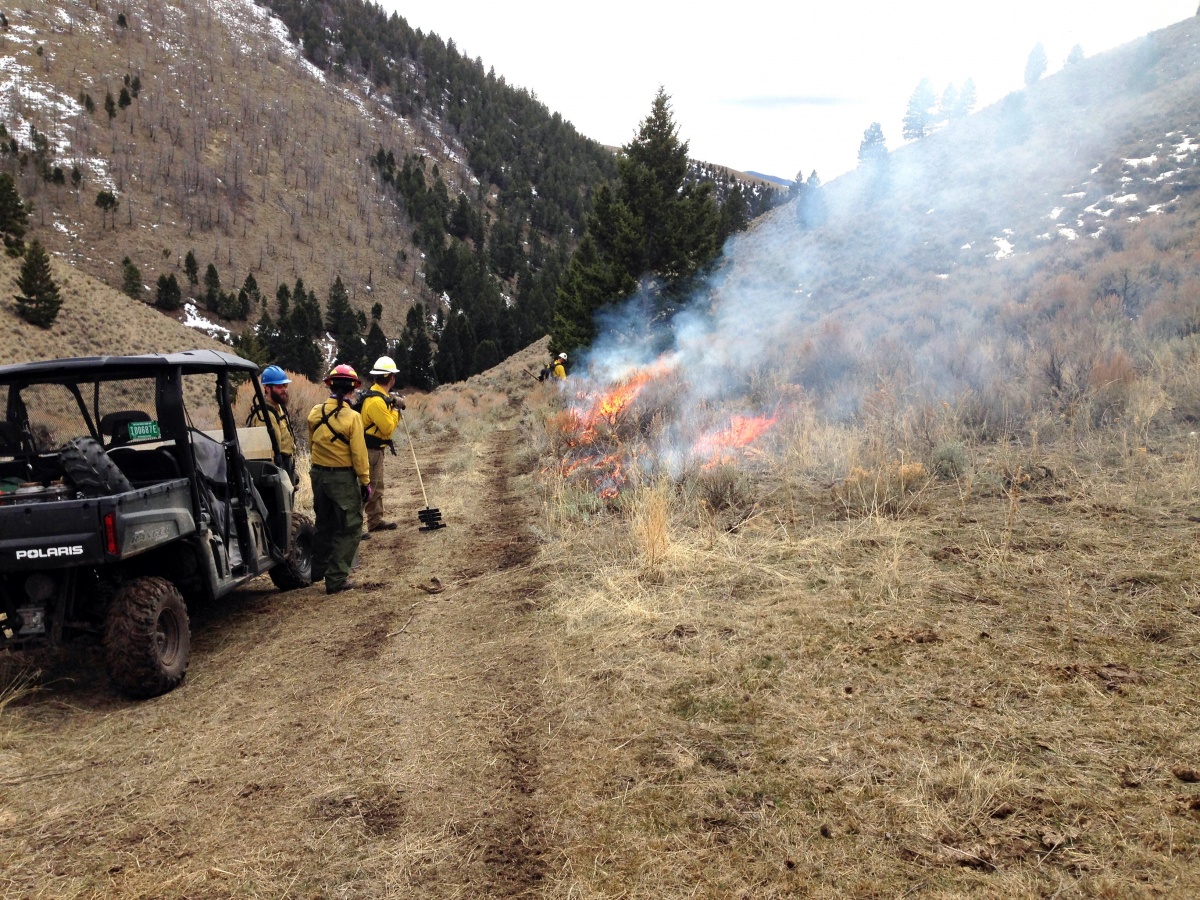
x: 514, y: 844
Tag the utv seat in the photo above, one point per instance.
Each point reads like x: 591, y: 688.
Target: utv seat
x: 144, y: 467
x: 115, y: 425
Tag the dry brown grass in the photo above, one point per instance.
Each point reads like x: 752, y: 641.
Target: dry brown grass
x: 881, y: 683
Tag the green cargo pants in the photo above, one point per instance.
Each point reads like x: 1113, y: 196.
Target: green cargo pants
x: 337, y: 503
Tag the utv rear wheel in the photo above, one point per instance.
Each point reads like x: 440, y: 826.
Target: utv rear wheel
x: 88, y: 467
x: 147, y: 638
x: 296, y: 572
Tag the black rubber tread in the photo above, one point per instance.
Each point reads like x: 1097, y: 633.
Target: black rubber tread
x: 297, y: 572
x: 147, y: 637
x: 88, y: 467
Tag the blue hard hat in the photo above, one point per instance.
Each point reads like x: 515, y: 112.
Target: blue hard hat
x: 274, y: 375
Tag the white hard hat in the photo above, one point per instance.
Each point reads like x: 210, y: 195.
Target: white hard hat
x: 385, y: 365
x: 562, y: 356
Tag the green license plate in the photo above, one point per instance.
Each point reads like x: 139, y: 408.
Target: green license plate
x: 144, y: 431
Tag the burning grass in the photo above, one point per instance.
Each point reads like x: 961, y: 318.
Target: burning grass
x: 872, y: 661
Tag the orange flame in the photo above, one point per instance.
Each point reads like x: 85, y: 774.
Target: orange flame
x: 719, y: 446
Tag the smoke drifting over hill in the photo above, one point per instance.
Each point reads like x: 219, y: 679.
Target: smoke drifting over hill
x: 1014, y: 266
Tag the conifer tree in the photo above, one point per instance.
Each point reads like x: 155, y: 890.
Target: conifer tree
x: 1075, y: 56
x: 339, y: 315
x: 873, y: 148
x: 191, y: 268
x: 110, y: 106
x: 487, y: 354
x: 415, y: 339
x: 948, y: 104
x: 650, y: 223
x: 376, y: 343
x: 212, y: 288
x: 1035, y: 66
x: 917, y: 118
x: 131, y: 279
x: 343, y: 324
x: 813, y: 209
x: 734, y: 213
x: 448, y: 363
x: 168, y: 297
x: 14, y: 217
x: 39, y: 300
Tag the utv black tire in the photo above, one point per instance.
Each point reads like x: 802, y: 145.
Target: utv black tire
x: 147, y: 638
x: 88, y: 467
x: 297, y: 571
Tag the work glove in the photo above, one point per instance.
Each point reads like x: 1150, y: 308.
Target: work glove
x: 366, y: 490
x: 397, y: 401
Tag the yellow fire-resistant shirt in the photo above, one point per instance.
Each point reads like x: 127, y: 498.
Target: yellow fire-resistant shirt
x: 558, y: 370
x: 379, y: 419
x: 276, y: 419
x: 331, y: 451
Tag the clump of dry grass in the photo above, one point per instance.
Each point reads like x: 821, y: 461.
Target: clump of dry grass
x: 885, y: 490
x: 651, y: 527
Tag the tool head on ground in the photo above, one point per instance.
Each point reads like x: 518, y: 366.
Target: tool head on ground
x: 273, y: 375
x: 431, y: 519
x: 430, y: 516
x: 385, y: 365
x: 342, y: 376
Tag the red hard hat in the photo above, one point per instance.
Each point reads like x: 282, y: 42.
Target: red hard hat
x: 340, y: 372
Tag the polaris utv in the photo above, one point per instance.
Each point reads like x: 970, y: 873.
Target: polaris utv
x: 128, y: 493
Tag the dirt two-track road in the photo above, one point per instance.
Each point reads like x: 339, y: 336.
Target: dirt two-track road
x: 383, y: 742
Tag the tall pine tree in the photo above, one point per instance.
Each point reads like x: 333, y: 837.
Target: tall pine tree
x: 14, y: 217
x: 39, y: 300
x: 651, y: 224
x: 918, y: 117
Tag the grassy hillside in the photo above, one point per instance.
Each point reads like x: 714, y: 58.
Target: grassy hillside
x: 95, y: 320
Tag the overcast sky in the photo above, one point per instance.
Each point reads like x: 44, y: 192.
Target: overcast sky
x: 768, y: 87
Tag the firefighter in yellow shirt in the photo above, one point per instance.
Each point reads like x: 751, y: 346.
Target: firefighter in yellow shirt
x: 558, y: 366
x: 341, y: 480
x: 380, y: 414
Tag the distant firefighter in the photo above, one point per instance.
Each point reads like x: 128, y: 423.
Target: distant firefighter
x: 556, y: 368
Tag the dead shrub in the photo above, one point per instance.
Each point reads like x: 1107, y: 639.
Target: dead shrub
x: 1110, y: 380
x: 725, y: 493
